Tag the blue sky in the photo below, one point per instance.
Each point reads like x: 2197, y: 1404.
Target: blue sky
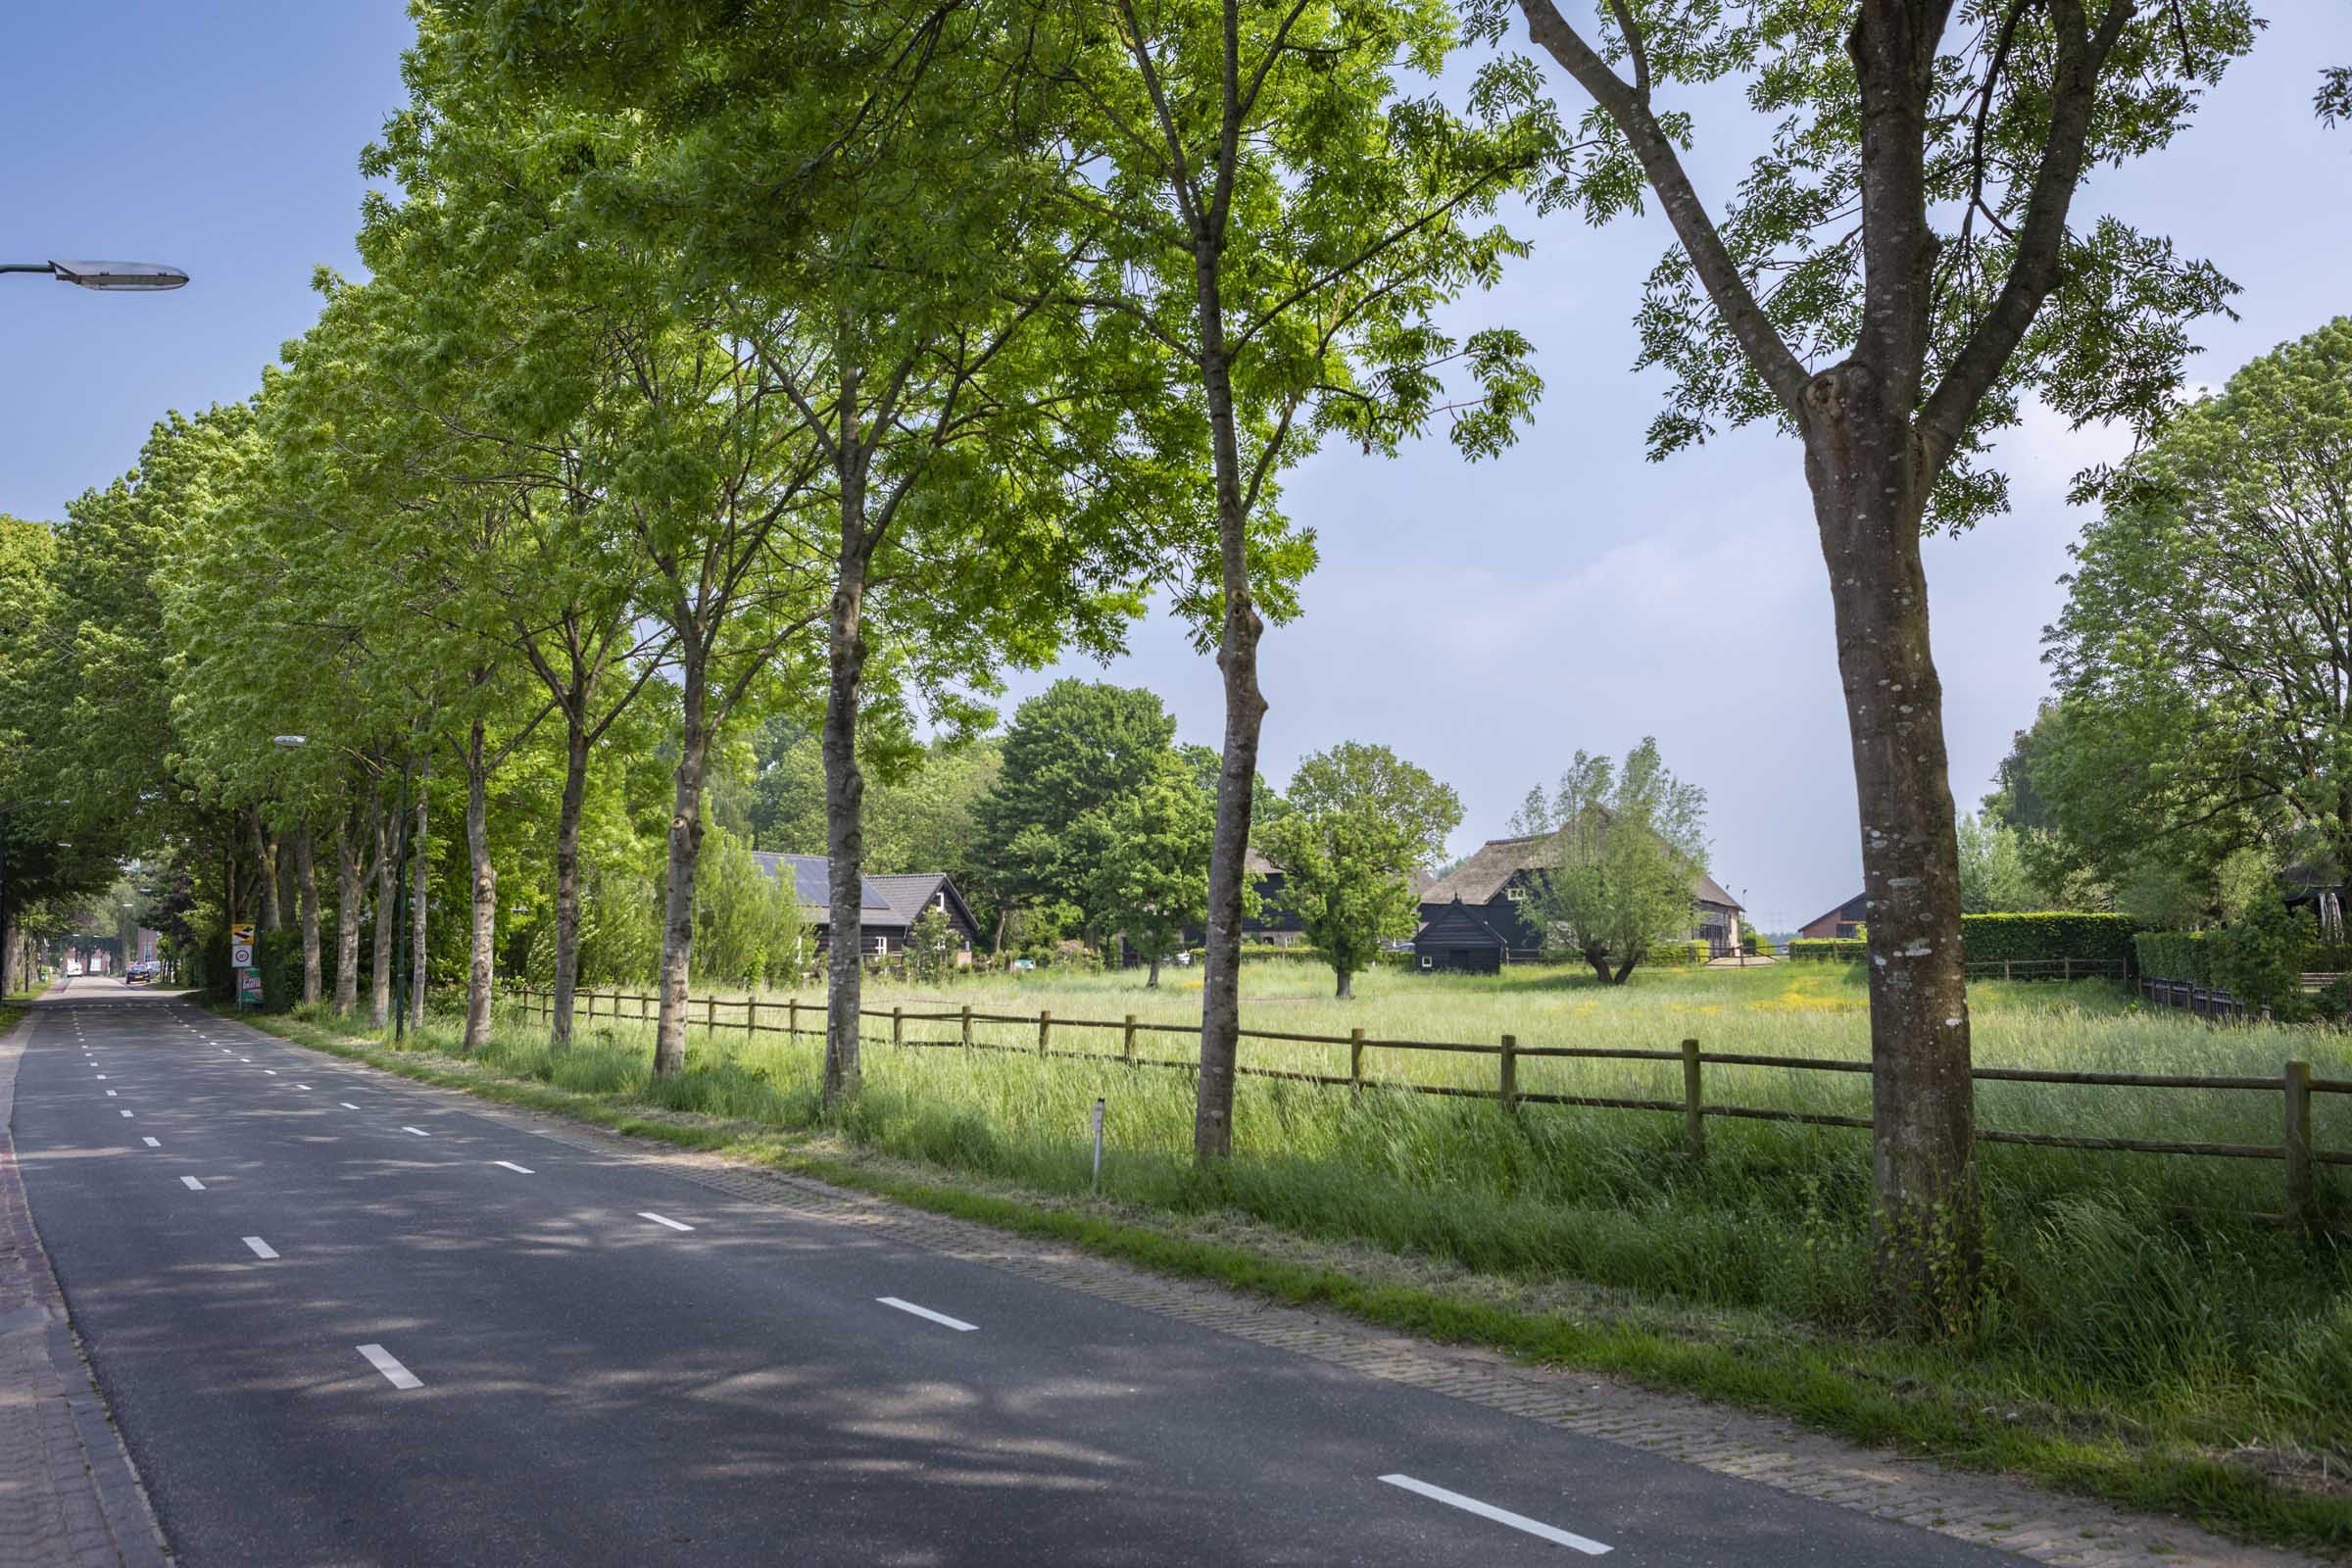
x: 1486, y: 622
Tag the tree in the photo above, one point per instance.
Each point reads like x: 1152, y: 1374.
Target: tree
x: 1070, y: 750
x: 2205, y: 651
x: 1898, y: 272
x: 1625, y: 846
x: 892, y: 247
x: 1993, y: 877
x: 1278, y: 224
x: 1150, y: 877
x: 1360, y: 822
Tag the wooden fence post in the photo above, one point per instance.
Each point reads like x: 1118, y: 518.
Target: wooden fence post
x: 1127, y: 1041
x: 967, y: 1028
x: 1355, y: 1060
x: 1510, y: 1075
x: 2296, y: 1081
x: 2069, y: 973
x: 1695, y: 1121
x: 1045, y: 1029
x: 751, y: 1018
x: 898, y: 1026
x: 792, y: 1018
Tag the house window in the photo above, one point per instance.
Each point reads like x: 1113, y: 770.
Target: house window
x: 1515, y: 893
x: 881, y: 944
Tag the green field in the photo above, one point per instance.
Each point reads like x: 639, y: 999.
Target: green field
x: 2136, y: 1305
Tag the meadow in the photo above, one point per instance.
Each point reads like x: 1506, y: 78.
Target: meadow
x: 2133, y: 1302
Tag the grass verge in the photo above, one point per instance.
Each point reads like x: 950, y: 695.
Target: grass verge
x: 1911, y: 1396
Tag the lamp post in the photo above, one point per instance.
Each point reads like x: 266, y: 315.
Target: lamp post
x: 117, y: 277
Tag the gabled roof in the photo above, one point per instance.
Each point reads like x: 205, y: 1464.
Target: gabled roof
x: 812, y: 881
x: 1481, y: 878
x: 1852, y: 909
x: 883, y: 899
x: 1458, y: 925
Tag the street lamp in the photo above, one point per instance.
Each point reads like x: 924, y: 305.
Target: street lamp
x: 134, y: 277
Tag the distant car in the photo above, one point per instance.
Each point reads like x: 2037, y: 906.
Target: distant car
x: 134, y: 974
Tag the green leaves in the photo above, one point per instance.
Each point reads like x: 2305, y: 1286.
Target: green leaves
x: 2205, y: 651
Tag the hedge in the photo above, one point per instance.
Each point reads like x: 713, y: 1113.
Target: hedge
x: 1679, y: 954
x: 2188, y: 955
x: 2025, y: 938
x: 2008, y: 938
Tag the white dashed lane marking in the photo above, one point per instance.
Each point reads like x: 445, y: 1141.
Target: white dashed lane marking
x: 520, y: 1170
x: 418, y: 1131
x: 149, y: 1142
x: 662, y: 1219
x: 1501, y: 1516
x: 956, y: 1323
x: 384, y: 1361
x: 261, y: 1249
x: 191, y: 1184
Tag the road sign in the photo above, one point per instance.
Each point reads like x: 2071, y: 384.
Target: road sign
x: 240, y: 946
x: 249, y: 988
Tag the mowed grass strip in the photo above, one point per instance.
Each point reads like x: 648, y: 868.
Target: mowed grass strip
x: 2146, y: 1334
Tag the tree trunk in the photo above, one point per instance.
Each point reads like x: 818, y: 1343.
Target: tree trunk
x: 10, y: 966
x: 387, y: 912
x: 845, y: 801
x: 419, y: 877
x: 1346, y: 991
x: 1152, y: 980
x: 685, y: 852
x: 1869, y: 504
x: 1598, y: 961
x: 265, y: 870
x: 483, y: 956
x: 306, y: 890
x: 568, y: 879
x: 349, y: 859
x: 1623, y: 970
x: 1245, y: 711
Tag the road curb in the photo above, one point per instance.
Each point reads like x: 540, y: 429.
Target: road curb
x: 70, y: 1494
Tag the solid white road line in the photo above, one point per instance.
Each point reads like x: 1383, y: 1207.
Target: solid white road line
x: 151, y: 1143
x: 520, y: 1170
x: 418, y: 1131
x: 347, y: 1105
x: 662, y: 1219
x: 191, y: 1184
x: 261, y: 1249
x: 1501, y: 1516
x: 956, y: 1323
x: 385, y: 1362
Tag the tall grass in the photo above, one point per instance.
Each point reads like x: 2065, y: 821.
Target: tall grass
x: 2140, y: 1293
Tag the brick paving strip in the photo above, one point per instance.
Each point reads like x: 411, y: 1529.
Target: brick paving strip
x: 69, y: 1497
x: 1990, y: 1510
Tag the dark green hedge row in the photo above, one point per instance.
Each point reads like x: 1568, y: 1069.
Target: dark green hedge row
x: 2188, y: 955
x: 2008, y: 938
x: 1996, y: 938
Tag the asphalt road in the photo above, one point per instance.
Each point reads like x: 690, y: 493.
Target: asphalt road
x: 340, y: 1322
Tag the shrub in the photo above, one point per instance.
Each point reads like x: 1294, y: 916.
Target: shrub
x: 2259, y: 959
x: 1829, y: 950
x: 1678, y: 954
x: 2047, y: 934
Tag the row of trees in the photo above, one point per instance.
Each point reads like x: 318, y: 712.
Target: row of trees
x: 834, y: 358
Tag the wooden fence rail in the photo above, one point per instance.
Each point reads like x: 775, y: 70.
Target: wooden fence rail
x: 2294, y: 1082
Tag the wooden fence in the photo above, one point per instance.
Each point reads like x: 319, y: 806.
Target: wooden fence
x: 2294, y: 1082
